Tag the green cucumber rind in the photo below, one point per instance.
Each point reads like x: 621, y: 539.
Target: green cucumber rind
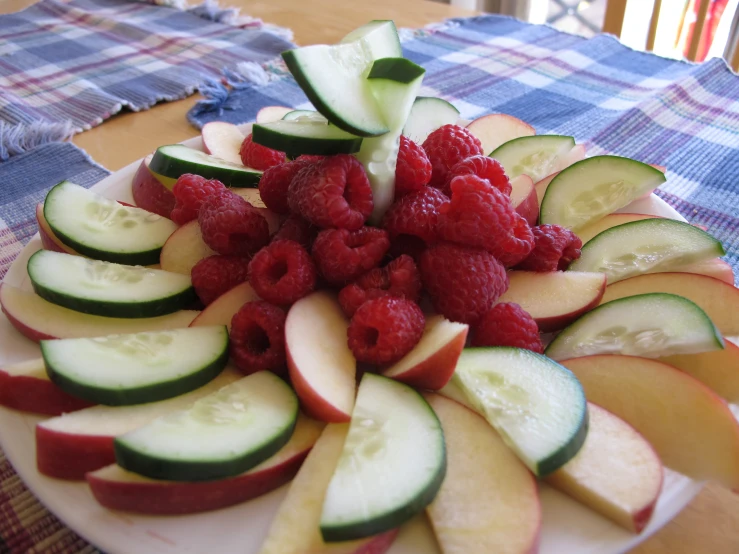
x: 137, y: 395
x: 294, y: 145
x: 400, y: 70
x: 171, y: 166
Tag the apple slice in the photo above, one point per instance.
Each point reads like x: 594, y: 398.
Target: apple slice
x: 690, y: 426
x: 489, y: 501
x: 252, y: 196
x: 149, y: 193
x: 611, y: 220
x: 223, y: 140
x: 72, y: 444
x: 118, y: 489
x: 524, y: 199
x: 617, y: 473
x: 269, y: 114
x: 184, y: 248
x: 37, y: 319
x: 322, y: 368
x: 48, y: 239
x: 542, y: 185
x: 715, y: 267
x: 555, y: 299
x: 223, y: 308
x: 431, y: 363
x: 495, y: 129
x: 719, y: 300
x: 26, y: 387
x: 566, y: 160
x: 295, y: 527
x: 719, y: 369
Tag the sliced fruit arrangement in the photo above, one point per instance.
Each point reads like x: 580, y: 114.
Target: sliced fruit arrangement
x: 535, y: 156
x: 175, y: 160
x: 611, y: 220
x: 222, y: 140
x: 184, y: 248
x: 718, y: 369
x: 149, y: 192
x: 496, y: 129
x: 305, y: 136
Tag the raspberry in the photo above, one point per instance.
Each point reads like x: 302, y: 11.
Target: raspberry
x: 399, y: 278
x: 446, y: 147
x: 385, y: 329
x: 297, y: 229
x: 507, y: 324
x: 463, y: 282
x: 257, y: 156
x: 332, y: 193
x: 480, y: 215
x: 214, y: 275
x: 257, y: 338
x: 231, y: 225
x: 413, y: 168
x: 190, y: 191
x: 554, y: 249
x: 415, y: 214
x: 282, y: 272
x: 343, y: 255
x: 274, y: 184
x: 485, y: 168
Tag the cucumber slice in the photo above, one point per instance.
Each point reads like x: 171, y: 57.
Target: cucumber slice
x: 309, y: 115
x: 174, y: 160
x: 392, y: 464
x: 120, y: 370
x: 590, y: 189
x: 536, y: 405
x: 107, y: 289
x: 221, y: 435
x: 646, y: 246
x: 394, y: 83
x: 103, y: 229
x: 305, y: 136
x: 427, y: 115
x: 535, y: 156
x: 648, y: 325
x: 334, y: 77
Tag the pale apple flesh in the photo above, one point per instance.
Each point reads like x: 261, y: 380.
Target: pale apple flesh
x: 223, y: 308
x: 431, y: 363
x: 26, y: 387
x: 555, y: 299
x: 269, y: 114
x: 576, y: 154
x: 718, y: 369
x: 48, y: 239
x: 609, y: 221
x: 690, y: 426
x: 118, y: 489
x: 489, y: 501
x: 719, y: 300
x: 496, y: 129
x: 322, y: 368
x: 616, y: 473
x: 716, y: 268
x: 149, y: 193
x: 223, y: 140
x: 541, y: 186
x: 523, y: 198
x: 184, y: 248
x: 295, y: 527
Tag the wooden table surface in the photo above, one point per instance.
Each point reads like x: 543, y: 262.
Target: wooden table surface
x: 710, y: 524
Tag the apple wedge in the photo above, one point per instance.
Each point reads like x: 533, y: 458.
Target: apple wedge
x: 719, y: 300
x: 690, y: 426
x: 573, y: 156
x: 184, y: 248
x: 223, y: 140
x: 295, y: 527
x: 269, y: 114
x: 431, y: 363
x: 524, y: 199
x: 715, y: 267
x: 73, y: 444
x: 118, y: 489
x: 26, y: 387
x: 489, y: 501
x: 149, y: 193
x: 557, y: 298
x: 495, y: 129
x: 719, y: 370
x: 611, y: 220
x: 37, y: 319
x: 617, y: 473
x: 48, y: 239
x: 322, y: 368
x: 542, y: 185
x: 252, y: 196
x: 223, y: 308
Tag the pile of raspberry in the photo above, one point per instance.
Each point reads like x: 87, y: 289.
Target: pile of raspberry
x: 446, y: 244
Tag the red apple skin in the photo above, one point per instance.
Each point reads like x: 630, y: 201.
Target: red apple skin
x: 311, y: 402
x: 69, y: 456
x: 556, y: 323
x: 48, y: 239
x: 23, y: 329
x: 38, y: 396
x: 378, y: 544
x: 150, y: 194
x: 529, y: 208
x: 179, y: 497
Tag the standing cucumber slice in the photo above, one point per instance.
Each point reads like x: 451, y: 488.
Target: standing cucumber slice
x: 646, y: 246
x: 221, y: 435
x: 305, y: 136
x: 107, y: 289
x: 334, y: 77
x: 535, y: 156
x: 121, y: 370
x: 392, y: 464
x: 590, y: 189
x: 427, y: 115
x: 536, y: 405
x: 176, y: 159
x: 102, y: 228
x: 648, y: 325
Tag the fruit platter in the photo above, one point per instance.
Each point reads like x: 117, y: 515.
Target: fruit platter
x: 369, y: 326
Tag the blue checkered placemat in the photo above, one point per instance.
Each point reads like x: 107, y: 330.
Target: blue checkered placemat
x: 614, y: 99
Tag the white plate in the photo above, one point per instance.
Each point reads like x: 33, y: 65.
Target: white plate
x: 568, y: 527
